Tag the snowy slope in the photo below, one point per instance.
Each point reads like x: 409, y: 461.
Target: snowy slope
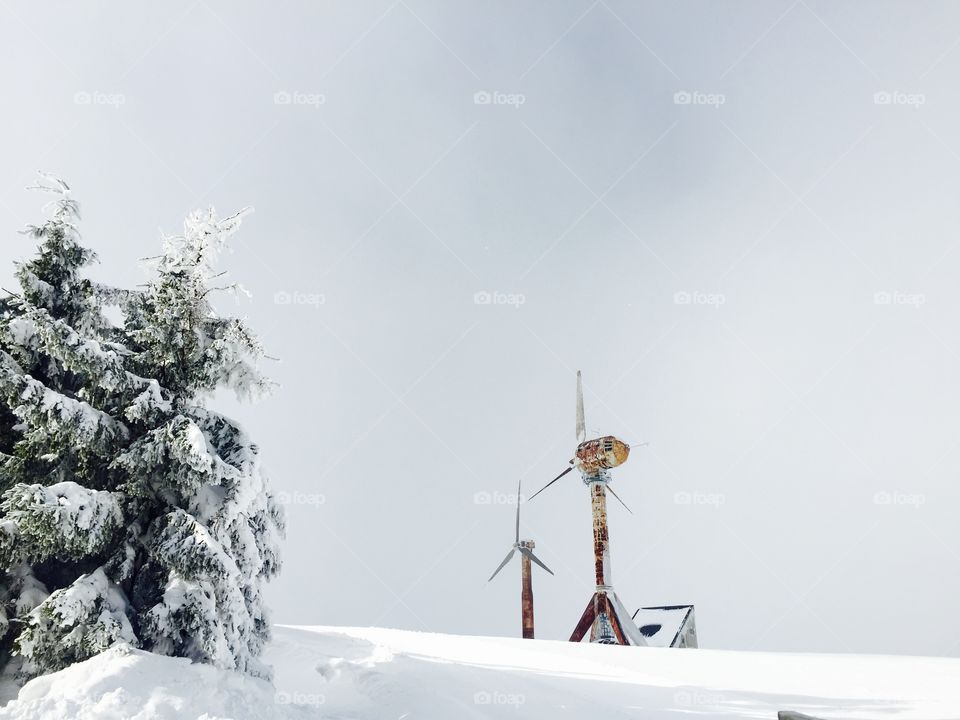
x: 127, y: 683
x: 374, y: 674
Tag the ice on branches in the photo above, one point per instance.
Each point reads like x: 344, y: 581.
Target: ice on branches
x: 76, y: 622
x: 186, y: 547
x: 51, y: 412
x: 110, y: 459
x: 64, y: 520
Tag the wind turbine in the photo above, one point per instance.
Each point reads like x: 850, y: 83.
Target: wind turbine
x: 526, y: 580
x: 605, y: 616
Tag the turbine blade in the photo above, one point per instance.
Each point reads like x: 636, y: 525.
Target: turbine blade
x: 581, y: 423
x: 612, y: 492
x: 529, y: 553
x: 517, y: 538
x: 505, y: 561
x: 551, y: 482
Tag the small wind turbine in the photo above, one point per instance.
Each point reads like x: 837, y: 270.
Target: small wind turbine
x: 526, y: 590
x: 605, y: 616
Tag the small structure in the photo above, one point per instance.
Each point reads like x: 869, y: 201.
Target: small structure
x: 672, y: 626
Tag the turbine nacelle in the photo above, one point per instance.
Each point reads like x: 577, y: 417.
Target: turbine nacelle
x: 593, y: 457
x: 526, y: 550
x: 604, y: 453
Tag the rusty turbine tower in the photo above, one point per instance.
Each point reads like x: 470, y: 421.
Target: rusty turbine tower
x: 526, y: 579
x: 605, y: 616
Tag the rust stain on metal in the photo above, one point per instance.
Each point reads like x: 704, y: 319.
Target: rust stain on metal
x: 603, y: 453
x: 586, y: 620
x: 615, y: 622
x: 526, y: 592
x: 601, y: 537
x: 604, y: 617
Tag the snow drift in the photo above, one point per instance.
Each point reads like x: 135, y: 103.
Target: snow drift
x: 372, y: 673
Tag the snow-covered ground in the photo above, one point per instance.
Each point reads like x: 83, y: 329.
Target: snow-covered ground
x: 382, y: 674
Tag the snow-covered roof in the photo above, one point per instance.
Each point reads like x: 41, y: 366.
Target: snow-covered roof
x: 667, y: 625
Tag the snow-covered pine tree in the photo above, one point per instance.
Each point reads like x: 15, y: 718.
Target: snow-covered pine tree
x: 142, y: 513
x: 58, y: 433
x: 209, y: 527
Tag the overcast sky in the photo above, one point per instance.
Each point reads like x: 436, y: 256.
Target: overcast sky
x: 739, y: 219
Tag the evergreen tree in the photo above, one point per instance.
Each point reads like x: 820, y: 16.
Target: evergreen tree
x: 131, y: 511
x: 209, y: 522
x: 56, y: 442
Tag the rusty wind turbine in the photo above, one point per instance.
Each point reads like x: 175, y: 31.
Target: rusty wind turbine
x: 525, y: 547
x: 605, y: 616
